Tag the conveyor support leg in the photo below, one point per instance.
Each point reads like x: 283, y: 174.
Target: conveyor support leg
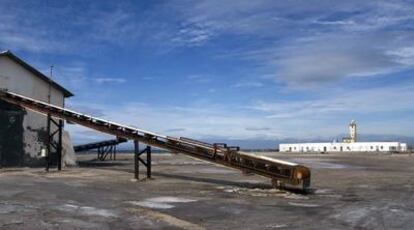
x: 137, y: 159
x: 54, y: 147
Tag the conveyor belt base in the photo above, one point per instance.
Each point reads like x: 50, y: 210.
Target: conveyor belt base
x: 281, y: 173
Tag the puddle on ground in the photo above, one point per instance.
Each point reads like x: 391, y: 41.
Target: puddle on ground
x: 77, y: 223
x: 155, y: 216
x: 8, y: 207
x: 10, y: 193
x: 353, y: 215
x: 85, y: 210
x: 232, y: 210
x: 149, y: 204
x: 216, y: 171
x: 170, y: 199
x: 10, y: 222
x: 163, y: 162
x: 365, y: 216
x: 306, y: 205
x: 162, y: 202
x: 320, y: 164
x: 277, y: 226
x: 257, y: 192
x: 326, y: 193
x: 74, y: 184
x: 322, y: 191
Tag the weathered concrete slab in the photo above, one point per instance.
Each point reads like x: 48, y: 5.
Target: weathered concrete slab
x: 350, y: 191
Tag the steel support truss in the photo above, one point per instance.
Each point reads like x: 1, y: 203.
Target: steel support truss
x: 138, y: 159
x: 54, y: 143
x: 105, y: 151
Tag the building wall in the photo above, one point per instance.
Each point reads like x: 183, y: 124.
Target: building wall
x: 17, y: 79
x: 344, y: 147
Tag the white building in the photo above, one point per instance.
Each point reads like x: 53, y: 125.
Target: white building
x: 345, y: 147
x: 349, y: 144
x: 23, y: 132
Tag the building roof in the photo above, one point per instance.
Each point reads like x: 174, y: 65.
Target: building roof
x: 34, y: 71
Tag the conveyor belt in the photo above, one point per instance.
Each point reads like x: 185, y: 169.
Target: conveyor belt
x: 95, y: 145
x: 282, y: 173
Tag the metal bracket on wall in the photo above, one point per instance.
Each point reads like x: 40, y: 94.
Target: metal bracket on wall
x: 137, y: 159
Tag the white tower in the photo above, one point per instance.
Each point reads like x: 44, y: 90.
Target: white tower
x: 353, y: 131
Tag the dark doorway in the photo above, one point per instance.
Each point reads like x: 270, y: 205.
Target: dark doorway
x: 11, y: 134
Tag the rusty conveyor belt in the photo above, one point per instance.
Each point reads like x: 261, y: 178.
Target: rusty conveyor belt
x: 282, y: 173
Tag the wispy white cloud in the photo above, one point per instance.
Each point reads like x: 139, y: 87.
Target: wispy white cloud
x: 26, y: 27
x: 192, y: 35
x: 403, y: 55
x: 110, y: 80
x: 86, y: 108
x: 316, y: 43
x: 248, y: 84
x: 73, y: 76
x: 301, y: 44
x: 325, y: 116
x: 258, y: 129
x: 198, y: 121
x: 357, y: 102
x: 199, y: 78
x: 315, y: 61
x: 82, y: 135
x: 175, y: 130
x: 147, y: 78
x: 329, y: 59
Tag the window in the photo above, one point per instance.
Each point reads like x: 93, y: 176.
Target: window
x: 382, y: 147
x: 372, y: 147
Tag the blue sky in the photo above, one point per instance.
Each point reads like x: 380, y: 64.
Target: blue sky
x: 225, y: 69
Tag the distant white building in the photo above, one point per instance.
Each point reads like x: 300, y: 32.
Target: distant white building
x: 345, y: 147
x: 348, y: 144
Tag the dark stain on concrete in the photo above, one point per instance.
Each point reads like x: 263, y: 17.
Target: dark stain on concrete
x: 42, y: 138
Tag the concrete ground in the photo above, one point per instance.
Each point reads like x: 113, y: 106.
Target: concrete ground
x: 350, y: 191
